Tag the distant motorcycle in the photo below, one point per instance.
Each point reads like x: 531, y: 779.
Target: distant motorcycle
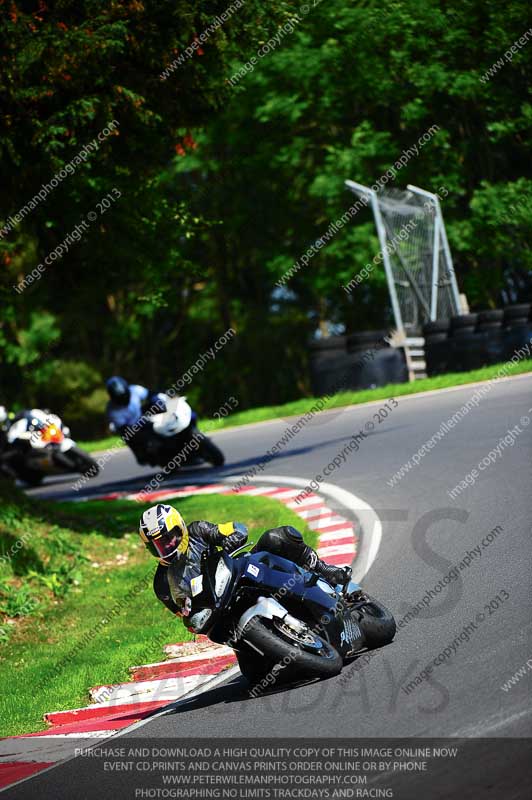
x: 37, y: 445
x: 170, y: 435
x: 284, y: 623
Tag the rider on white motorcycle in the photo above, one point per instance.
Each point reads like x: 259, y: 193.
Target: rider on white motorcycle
x: 38, y: 444
x: 128, y: 404
x: 26, y: 427
x: 146, y: 420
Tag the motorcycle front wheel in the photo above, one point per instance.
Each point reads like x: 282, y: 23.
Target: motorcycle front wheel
x: 376, y: 623
x: 76, y: 460
x: 210, y: 452
x: 31, y: 477
x: 286, y: 653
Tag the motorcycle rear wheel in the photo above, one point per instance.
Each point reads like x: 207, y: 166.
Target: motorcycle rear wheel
x: 282, y: 655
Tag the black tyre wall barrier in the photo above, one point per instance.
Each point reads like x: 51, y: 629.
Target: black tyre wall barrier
x: 473, y: 350
x: 335, y: 370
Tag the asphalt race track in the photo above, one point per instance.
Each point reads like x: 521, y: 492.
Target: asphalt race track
x: 425, y: 533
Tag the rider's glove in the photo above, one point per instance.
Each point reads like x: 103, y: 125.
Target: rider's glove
x: 186, y: 608
x: 234, y: 535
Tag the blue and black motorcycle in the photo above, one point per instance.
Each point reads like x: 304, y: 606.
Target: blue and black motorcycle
x: 284, y: 623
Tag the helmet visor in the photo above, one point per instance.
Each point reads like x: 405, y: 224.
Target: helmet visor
x: 166, y: 546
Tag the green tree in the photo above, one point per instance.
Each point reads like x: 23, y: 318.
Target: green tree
x: 79, y: 77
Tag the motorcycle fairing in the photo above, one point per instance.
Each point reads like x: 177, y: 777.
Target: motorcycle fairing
x: 175, y: 419
x: 276, y: 583
x: 326, y: 603
x: 286, y: 580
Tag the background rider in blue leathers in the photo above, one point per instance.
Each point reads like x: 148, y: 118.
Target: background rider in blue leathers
x: 128, y: 403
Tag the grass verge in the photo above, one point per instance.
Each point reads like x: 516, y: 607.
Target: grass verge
x: 297, y: 407
x: 51, y: 656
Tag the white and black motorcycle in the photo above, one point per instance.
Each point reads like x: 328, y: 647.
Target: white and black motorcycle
x: 170, y: 436
x: 38, y: 444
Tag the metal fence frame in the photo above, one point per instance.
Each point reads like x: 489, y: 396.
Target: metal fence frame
x: 440, y: 244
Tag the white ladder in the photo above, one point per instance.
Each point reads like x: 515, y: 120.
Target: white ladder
x: 415, y: 357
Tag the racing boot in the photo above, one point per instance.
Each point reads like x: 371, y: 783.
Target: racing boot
x: 288, y: 542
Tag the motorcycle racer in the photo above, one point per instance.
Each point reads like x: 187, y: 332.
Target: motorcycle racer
x: 24, y: 426
x: 179, y: 547
x: 125, y: 412
x: 37, y: 444
x: 128, y: 402
x: 160, y: 428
